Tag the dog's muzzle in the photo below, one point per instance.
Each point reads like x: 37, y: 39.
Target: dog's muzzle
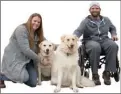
x: 71, y: 46
x: 47, y: 51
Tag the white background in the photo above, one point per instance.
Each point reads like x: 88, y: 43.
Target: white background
x: 59, y: 17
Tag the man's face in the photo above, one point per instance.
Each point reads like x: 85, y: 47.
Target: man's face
x: 95, y: 11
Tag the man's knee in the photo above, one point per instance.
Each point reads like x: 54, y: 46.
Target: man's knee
x: 114, y: 46
x: 93, y: 46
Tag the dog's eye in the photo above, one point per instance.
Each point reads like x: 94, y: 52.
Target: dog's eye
x: 67, y: 39
x: 73, y: 39
x: 44, y: 45
x: 49, y: 45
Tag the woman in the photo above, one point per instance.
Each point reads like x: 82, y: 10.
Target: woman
x: 20, y: 56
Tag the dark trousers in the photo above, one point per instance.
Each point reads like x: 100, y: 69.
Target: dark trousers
x: 94, y: 50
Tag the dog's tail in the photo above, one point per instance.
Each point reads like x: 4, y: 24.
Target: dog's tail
x: 87, y: 82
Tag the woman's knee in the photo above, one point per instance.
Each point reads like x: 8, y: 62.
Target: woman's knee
x: 26, y: 76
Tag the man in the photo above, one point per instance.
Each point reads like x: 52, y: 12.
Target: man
x: 95, y: 30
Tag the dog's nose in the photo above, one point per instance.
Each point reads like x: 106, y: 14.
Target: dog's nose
x: 47, y: 50
x: 72, y: 46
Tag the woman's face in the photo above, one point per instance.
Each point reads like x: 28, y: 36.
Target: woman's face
x: 35, y: 23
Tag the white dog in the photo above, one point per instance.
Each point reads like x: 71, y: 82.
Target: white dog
x: 65, y: 68
x: 46, y: 56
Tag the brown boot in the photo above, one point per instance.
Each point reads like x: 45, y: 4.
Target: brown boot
x: 106, y: 77
x: 2, y: 84
x: 95, y: 78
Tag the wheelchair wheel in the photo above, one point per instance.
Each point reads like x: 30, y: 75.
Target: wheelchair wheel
x: 86, y: 74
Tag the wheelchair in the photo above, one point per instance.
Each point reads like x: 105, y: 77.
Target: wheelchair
x: 84, y: 63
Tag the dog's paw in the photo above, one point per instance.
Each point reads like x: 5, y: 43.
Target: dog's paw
x: 80, y: 86
x: 57, y: 90
x: 75, y: 90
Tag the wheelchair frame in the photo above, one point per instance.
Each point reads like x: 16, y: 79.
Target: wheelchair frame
x: 84, y: 63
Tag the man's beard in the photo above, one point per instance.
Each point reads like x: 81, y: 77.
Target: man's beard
x: 95, y: 14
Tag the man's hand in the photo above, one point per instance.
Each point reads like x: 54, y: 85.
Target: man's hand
x: 114, y: 37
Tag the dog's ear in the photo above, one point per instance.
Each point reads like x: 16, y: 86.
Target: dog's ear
x: 40, y: 45
x: 62, y: 38
x: 77, y: 39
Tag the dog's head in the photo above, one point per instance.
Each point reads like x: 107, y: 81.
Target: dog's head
x: 70, y: 41
x: 46, y: 48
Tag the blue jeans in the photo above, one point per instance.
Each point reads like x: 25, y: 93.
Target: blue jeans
x: 32, y: 75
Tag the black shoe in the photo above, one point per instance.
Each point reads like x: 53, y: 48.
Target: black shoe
x: 95, y: 78
x: 106, y: 77
x: 2, y: 84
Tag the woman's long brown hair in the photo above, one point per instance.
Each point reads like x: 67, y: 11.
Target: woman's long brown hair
x: 39, y: 31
